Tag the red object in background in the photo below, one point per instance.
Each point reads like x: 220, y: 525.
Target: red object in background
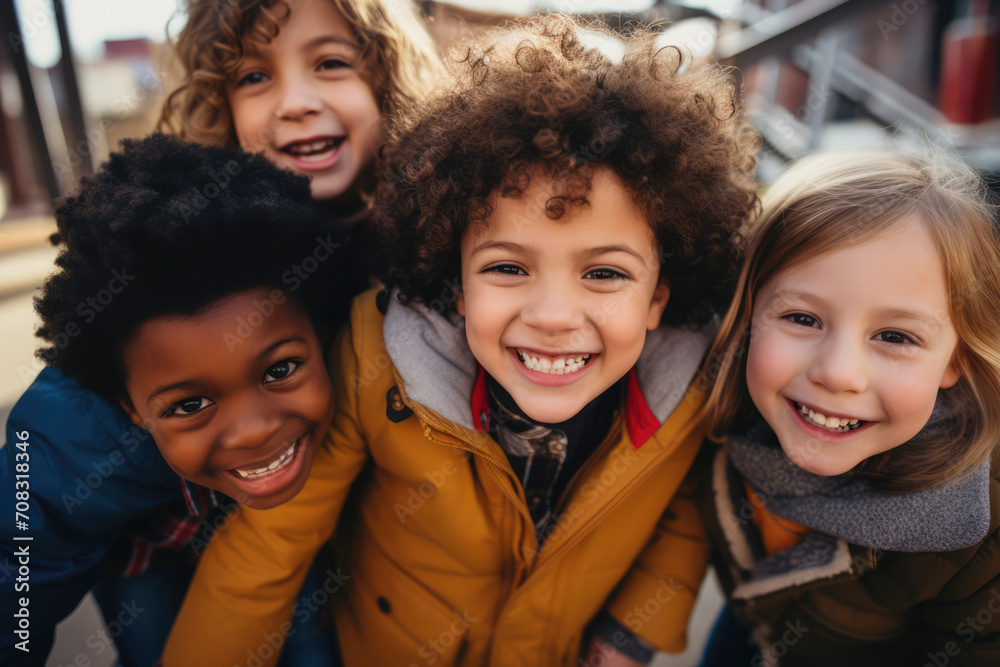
x: 968, y: 65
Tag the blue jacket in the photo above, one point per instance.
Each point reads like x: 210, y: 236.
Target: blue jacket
x: 94, y: 479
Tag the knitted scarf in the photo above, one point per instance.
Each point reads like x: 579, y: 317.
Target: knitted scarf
x: 946, y: 517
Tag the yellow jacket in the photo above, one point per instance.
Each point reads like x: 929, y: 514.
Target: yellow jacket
x: 443, y: 567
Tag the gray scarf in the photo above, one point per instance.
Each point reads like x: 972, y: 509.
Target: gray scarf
x: 946, y: 517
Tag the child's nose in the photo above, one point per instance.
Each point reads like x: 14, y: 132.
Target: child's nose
x: 251, y: 422
x: 297, y: 102
x: 552, y: 310
x: 840, y: 365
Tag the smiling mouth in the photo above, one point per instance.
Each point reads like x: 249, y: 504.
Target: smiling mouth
x: 832, y: 424
x: 561, y: 365
x: 313, y: 150
x: 281, y: 461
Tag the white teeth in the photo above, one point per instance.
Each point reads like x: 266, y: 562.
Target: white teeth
x: 314, y: 150
x: 838, y: 424
x: 561, y: 366
x: 280, y: 462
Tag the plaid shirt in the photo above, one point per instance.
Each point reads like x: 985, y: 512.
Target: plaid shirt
x: 176, y: 533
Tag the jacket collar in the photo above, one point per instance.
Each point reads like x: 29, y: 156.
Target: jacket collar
x: 639, y: 419
x: 432, y: 356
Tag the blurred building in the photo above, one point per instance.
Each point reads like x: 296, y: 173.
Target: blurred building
x: 813, y: 73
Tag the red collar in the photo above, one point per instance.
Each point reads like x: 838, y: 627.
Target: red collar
x: 639, y: 419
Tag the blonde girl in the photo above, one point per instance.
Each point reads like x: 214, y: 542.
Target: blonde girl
x: 853, y: 508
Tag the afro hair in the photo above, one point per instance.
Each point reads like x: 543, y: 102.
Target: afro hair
x: 167, y: 227
x: 548, y: 98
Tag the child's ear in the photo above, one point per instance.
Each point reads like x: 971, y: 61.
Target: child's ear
x: 129, y: 409
x: 656, y: 306
x: 460, y: 300
x: 954, y: 370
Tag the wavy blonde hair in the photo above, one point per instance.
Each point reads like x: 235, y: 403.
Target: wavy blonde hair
x: 398, y: 58
x: 830, y: 201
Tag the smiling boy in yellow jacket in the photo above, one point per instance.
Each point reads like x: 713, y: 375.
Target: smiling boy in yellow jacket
x: 559, y: 227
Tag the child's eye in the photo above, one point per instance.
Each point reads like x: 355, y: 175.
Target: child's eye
x: 188, y: 406
x: 252, y: 78
x: 507, y: 269
x: 802, y: 320
x: 333, y: 63
x: 893, y: 337
x: 606, y: 274
x: 280, y: 371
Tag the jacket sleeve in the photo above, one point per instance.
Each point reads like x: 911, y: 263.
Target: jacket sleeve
x: 85, y: 473
x: 243, y: 594
x: 961, y: 625
x: 655, y: 598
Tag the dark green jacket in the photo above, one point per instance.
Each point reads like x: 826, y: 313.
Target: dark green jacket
x: 827, y: 602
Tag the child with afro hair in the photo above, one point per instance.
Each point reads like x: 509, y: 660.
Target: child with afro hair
x: 561, y: 226
x: 193, y: 293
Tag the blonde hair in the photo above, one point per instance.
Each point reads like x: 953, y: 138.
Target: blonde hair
x: 830, y: 201
x: 398, y: 58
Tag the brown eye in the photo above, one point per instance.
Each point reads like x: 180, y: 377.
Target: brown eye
x: 894, y: 337
x: 280, y: 371
x: 188, y: 406
x: 606, y: 274
x: 803, y: 320
x: 508, y: 269
x: 252, y: 78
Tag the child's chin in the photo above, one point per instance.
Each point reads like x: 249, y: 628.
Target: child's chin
x: 550, y: 414
x: 813, y: 460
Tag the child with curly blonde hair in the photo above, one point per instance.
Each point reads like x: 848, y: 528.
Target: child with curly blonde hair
x: 306, y: 82
x: 559, y: 226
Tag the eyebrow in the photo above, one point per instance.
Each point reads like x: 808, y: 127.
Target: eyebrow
x: 605, y: 249
x: 789, y: 293
x: 187, y: 383
x: 323, y: 40
x: 926, y: 320
x: 585, y: 254
x: 499, y: 245
x: 251, y: 48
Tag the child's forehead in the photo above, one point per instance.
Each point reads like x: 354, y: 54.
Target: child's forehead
x: 549, y: 211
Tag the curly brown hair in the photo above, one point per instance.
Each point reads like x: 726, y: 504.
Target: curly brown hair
x: 547, y: 97
x: 398, y: 59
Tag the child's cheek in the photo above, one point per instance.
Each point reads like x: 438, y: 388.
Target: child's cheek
x: 768, y: 366
x: 907, y: 395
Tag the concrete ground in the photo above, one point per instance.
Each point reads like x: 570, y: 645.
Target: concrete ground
x: 25, y: 260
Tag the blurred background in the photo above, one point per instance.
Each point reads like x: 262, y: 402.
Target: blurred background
x: 77, y: 76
